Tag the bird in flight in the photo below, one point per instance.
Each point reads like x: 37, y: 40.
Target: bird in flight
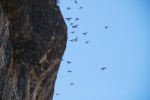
x: 75, y: 1
x: 75, y: 26
x: 71, y: 83
x: 68, y: 62
x: 103, y: 68
x: 80, y: 7
x: 84, y: 33
x: 76, y: 39
x: 72, y: 40
x: 62, y: 59
x: 106, y: 27
x: 68, y: 19
x: 71, y: 24
x: 68, y: 8
x: 73, y: 32
x: 87, y: 42
x: 57, y: 94
x: 77, y: 19
x: 69, y: 71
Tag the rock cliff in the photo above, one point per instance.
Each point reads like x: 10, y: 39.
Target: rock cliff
x: 33, y: 38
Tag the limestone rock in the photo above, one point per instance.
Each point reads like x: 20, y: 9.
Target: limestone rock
x: 33, y: 38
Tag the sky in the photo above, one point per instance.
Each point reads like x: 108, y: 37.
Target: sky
x: 123, y: 48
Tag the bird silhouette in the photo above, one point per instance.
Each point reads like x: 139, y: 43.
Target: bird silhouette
x: 72, y: 40
x: 71, y: 83
x: 68, y: 19
x: 68, y: 8
x: 103, y: 68
x: 57, y: 94
x: 106, y: 27
x: 80, y: 7
x: 77, y: 19
x: 76, y: 39
x: 73, y: 32
x: 68, y: 62
x: 62, y: 59
x: 71, y: 24
x: 75, y: 26
x: 75, y: 1
x: 87, y: 42
x: 69, y: 71
x: 84, y: 33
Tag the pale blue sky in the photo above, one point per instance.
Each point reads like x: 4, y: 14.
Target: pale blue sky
x: 124, y: 48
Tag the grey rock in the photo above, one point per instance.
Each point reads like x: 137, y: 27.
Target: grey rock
x: 33, y: 37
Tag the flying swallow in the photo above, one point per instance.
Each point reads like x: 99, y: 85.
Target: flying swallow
x: 68, y: 62
x: 72, y: 40
x: 68, y: 8
x: 87, y: 42
x: 73, y: 32
x: 84, y: 33
x: 76, y: 39
x: 80, y: 7
x: 71, y: 83
x: 103, y: 68
x: 75, y: 1
x: 77, y: 19
x: 71, y: 24
x: 68, y: 19
x: 75, y: 26
x: 106, y: 27
x: 69, y: 71
x: 57, y: 94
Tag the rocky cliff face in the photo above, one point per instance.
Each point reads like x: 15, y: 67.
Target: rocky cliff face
x: 33, y: 38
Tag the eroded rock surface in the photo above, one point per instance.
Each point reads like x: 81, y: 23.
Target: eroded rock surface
x: 33, y: 38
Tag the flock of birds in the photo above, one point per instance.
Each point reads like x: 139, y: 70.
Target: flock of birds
x: 75, y: 26
x: 76, y: 39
